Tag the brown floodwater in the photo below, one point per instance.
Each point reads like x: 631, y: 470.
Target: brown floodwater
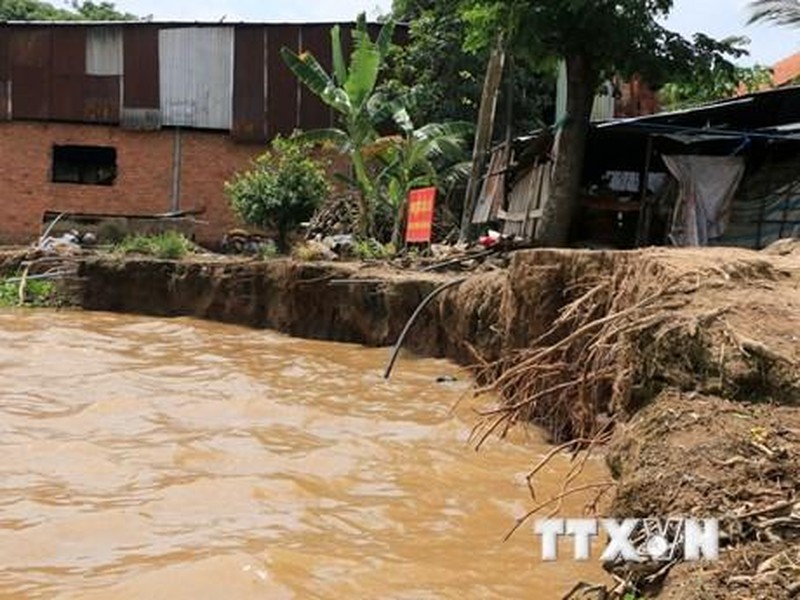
x: 179, y: 459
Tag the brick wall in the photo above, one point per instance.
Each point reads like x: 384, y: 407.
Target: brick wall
x: 144, y: 177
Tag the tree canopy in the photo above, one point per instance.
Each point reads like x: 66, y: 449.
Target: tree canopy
x: 714, y: 85
x: 444, y: 79
x: 614, y: 37
x: 34, y: 10
x: 597, y: 39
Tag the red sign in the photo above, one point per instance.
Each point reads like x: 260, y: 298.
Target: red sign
x: 420, y: 215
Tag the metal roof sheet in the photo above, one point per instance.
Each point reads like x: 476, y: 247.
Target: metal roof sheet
x: 196, y: 76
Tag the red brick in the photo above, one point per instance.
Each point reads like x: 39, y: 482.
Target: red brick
x: 144, y: 179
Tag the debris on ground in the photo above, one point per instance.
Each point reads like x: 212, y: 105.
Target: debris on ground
x: 337, y: 216
x: 239, y: 241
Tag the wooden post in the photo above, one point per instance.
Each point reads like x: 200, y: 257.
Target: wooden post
x: 483, y: 135
x: 645, y: 208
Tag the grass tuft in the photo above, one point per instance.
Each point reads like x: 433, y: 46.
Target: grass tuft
x: 169, y: 245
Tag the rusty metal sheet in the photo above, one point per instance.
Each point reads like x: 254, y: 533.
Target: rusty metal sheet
x: 196, y: 76
x: 249, y: 80
x: 85, y: 98
x: 67, y: 75
x: 67, y: 102
x: 104, y: 50
x: 140, y: 119
x: 282, y: 86
x: 5, y: 100
x: 5, y: 74
x: 140, y: 60
x: 30, y: 92
x: 68, y: 51
x: 314, y: 113
x: 5, y: 61
x: 101, y: 99
x: 30, y: 47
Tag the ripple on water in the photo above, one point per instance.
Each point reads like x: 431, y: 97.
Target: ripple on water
x: 148, y: 458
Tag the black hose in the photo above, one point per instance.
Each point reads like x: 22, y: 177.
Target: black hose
x: 410, y: 322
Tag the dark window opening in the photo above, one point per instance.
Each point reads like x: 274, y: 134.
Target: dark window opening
x: 88, y: 165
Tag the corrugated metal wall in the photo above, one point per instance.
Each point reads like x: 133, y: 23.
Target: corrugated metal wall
x: 282, y: 87
x: 147, y: 75
x: 5, y: 75
x: 75, y: 94
x: 29, y: 49
x: 196, y: 76
x: 104, y: 51
x: 68, y: 62
x: 141, y: 103
x: 249, y: 85
x: 314, y: 113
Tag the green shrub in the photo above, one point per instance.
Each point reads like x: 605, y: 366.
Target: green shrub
x: 169, y: 245
x: 281, y: 190
x: 38, y: 293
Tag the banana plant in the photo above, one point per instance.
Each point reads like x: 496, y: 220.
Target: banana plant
x: 430, y: 155
x: 350, y: 91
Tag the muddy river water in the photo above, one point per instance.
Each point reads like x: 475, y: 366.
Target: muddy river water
x: 179, y: 459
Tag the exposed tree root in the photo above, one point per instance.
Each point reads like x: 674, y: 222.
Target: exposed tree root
x: 624, y: 332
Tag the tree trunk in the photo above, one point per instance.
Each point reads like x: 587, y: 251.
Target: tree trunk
x: 398, y: 238
x: 570, y: 150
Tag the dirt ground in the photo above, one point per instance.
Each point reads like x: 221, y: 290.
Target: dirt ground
x: 706, y: 457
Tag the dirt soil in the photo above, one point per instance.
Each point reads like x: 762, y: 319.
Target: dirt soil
x: 693, y: 455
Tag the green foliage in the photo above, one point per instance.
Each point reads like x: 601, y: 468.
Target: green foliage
x: 101, y: 11
x: 169, y: 245
x: 428, y: 156
x: 714, y: 85
x: 38, y: 293
x: 445, y: 80
x: 33, y: 10
x: 350, y: 91
x: 111, y: 232
x: 281, y: 190
x: 614, y: 37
